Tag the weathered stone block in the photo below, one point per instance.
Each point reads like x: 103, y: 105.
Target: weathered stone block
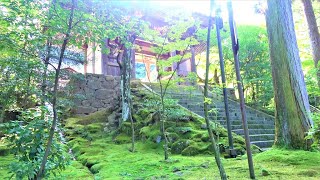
x: 107, y: 85
x: 117, y: 78
x: 109, y: 78
x: 85, y: 110
x: 86, y: 103
x: 104, y: 93
x: 94, y: 84
x: 97, y: 104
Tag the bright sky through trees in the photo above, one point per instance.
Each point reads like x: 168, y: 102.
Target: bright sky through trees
x: 244, y: 10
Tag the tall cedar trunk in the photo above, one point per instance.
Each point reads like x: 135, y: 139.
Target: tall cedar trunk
x: 126, y: 88
x: 41, y: 171
x: 216, y: 151
x: 291, y: 99
x: 313, y: 34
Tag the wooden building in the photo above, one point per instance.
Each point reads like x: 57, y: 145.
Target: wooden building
x: 143, y: 61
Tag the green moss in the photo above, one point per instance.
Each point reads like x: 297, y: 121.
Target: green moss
x: 4, y: 166
x: 150, y: 132
x: 298, y: 157
x: 239, y: 140
x: 137, y: 118
x: 4, y: 150
x: 126, y: 128
x: 183, y: 130
x: 179, y: 146
x: 122, y: 139
x: 74, y: 171
x: 143, y: 113
x: 205, y: 137
x: 309, y: 173
x: 191, y: 151
x: 94, y: 128
x: 173, y: 137
x: 265, y: 172
x: 97, y: 117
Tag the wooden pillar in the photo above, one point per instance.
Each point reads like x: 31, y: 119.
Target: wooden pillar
x: 93, y: 58
x: 104, y: 59
x: 133, y: 63
x: 193, y: 60
x: 85, y: 64
x: 174, y: 65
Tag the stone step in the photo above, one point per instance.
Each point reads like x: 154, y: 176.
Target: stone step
x: 261, y: 126
x: 239, y: 122
x: 254, y: 131
x: 254, y: 126
x: 261, y: 137
x: 263, y: 144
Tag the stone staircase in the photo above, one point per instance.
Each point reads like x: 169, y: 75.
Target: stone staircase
x: 261, y: 125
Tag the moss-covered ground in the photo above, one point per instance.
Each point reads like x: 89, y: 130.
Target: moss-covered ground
x: 105, y: 155
x: 108, y: 160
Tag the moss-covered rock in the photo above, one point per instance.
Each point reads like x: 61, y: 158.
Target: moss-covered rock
x: 191, y: 151
x: 97, y: 117
x: 122, y: 138
x: 94, y: 128
x: 4, y: 150
x: 179, y: 146
x: 183, y: 130
x: 150, y: 132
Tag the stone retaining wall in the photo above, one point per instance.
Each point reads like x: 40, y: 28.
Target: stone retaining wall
x: 96, y: 92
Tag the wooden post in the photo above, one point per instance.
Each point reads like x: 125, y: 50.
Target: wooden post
x: 133, y: 63
x: 94, y: 58
x: 193, y: 60
x: 85, y: 64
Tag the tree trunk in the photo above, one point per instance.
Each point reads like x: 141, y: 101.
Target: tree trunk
x: 291, y: 98
x: 41, y: 171
x: 216, y: 151
x: 125, y: 81
x: 313, y: 34
x: 126, y: 88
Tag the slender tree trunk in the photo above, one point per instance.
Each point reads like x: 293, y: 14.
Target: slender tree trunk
x: 41, y: 171
x: 163, y: 129
x: 125, y: 80
x: 45, y: 73
x: 215, y: 76
x: 223, y: 174
x: 291, y: 99
x: 313, y: 34
x: 126, y: 87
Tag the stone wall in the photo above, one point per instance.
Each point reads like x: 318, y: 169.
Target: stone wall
x: 96, y: 92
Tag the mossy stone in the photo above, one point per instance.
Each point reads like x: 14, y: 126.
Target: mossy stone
x: 205, y: 137
x: 265, y: 172
x: 122, y: 139
x: 94, y: 128
x: 173, y: 137
x: 180, y: 145
x: 150, y: 132
x: 4, y: 150
x: 191, y: 151
x: 183, y: 130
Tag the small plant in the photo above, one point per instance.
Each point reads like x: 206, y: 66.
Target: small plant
x: 27, y: 138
